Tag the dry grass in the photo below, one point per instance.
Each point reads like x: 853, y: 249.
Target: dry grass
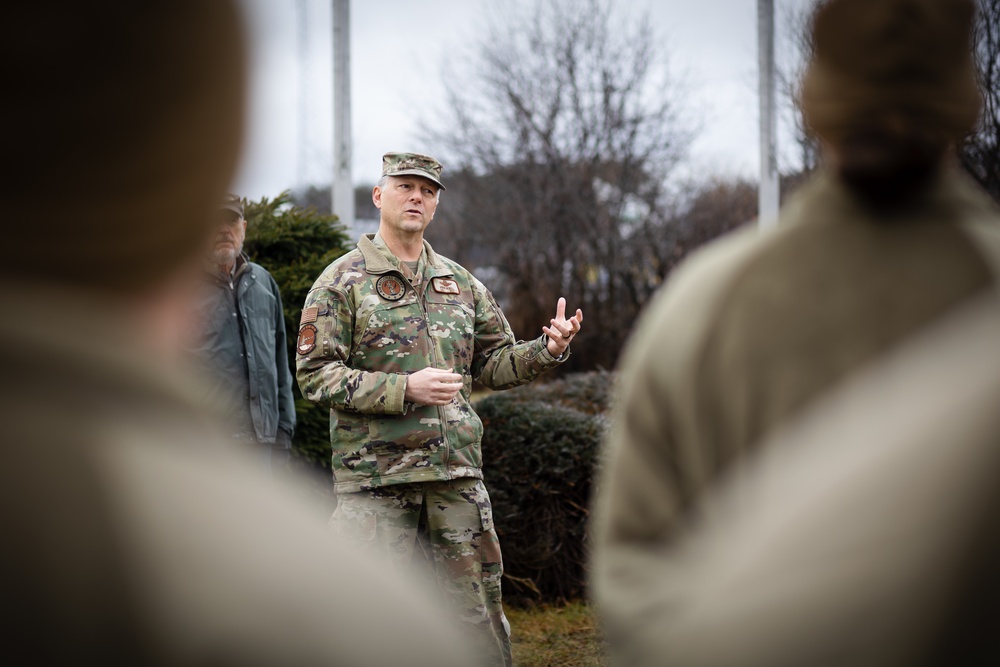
x: 565, y: 636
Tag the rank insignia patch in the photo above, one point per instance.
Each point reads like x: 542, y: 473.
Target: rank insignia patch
x: 307, y: 339
x: 390, y: 287
x: 445, y: 286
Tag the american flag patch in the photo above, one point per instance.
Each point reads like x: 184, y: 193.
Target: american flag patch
x: 309, y: 315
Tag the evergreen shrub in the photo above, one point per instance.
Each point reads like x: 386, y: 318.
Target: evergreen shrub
x: 295, y: 244
x: 540, y: 447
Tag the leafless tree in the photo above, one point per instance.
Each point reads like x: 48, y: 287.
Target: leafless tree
x: 563, y: 127
x: 980, y: 153
x: 717, y: 206
x: 795, y: 49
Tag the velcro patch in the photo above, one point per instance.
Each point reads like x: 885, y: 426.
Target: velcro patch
x: 309, y: 315
x: 307, y: 339
x: 445, y: 286
x: 390, y: 287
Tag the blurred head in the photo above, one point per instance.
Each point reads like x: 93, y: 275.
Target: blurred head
x: 891, y: 86
x: 121, y: 133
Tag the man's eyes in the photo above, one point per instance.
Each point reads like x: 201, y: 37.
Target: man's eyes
x: 407, y: 186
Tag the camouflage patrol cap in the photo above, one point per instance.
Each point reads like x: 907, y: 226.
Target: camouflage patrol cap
x: 412, y: 164
x: 232, y: 203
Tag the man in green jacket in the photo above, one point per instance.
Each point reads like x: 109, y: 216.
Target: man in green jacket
x: 391, y: 337
x: 242, y: 342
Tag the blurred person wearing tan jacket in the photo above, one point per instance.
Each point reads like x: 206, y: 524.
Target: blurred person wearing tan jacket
x: 862, y: 533
x: 887, y: 241
x: 132, y: 536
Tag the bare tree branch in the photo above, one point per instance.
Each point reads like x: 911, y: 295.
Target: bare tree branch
x: 980, y: 153
x: 565, y: 126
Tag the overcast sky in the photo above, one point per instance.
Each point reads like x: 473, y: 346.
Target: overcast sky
x: 398, y: 49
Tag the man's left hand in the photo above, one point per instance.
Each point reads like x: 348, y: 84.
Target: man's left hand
x: 562, y: 331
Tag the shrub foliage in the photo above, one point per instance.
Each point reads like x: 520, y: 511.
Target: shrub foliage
x: 540, y: 446
x: 295, y: 244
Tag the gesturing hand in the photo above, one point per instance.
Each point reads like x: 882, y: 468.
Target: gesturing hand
x: 432, y: 386
x: 562, y: 330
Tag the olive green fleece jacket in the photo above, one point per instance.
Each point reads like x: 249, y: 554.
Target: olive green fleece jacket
x: 746, y: 335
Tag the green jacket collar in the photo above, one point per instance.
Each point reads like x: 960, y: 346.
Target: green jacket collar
x: 241, y: 265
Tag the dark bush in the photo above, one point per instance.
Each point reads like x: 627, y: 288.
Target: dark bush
x: 539, y: 449
x: 295, y: 244
x: 589, y: 393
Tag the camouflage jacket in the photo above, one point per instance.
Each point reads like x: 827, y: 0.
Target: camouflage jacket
x: 365, y: 326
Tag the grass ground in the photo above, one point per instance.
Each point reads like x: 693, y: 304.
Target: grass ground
x: 564, y: 636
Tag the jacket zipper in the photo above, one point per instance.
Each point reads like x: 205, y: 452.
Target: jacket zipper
x: 434, y: 361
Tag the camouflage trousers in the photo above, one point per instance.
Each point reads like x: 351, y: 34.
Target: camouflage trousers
x: 444, y: 529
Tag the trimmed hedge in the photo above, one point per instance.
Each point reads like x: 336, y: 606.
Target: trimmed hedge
x: 589, y: 393
x: 540, y: 447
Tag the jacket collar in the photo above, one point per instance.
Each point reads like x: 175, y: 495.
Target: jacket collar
x: 379, y: 259
x: 943, y: 196
x: 242, y: 265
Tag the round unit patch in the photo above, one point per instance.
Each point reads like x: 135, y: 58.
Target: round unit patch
x: 390, y: 287
x: 307, y: 339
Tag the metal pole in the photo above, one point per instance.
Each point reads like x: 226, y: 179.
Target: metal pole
x: 304, y: 83
x: 342, y: 188
x: 768, y: 194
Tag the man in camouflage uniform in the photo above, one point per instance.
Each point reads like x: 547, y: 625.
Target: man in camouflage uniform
x: 391, y: 337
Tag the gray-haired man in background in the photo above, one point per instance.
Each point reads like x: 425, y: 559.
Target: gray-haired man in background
x: 241, y: 340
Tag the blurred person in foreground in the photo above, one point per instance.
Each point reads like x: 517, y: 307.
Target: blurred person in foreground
x: 240, y: 339
x: 392, y: 336
x: 888, y: 240
x: 131, y: 536
x: 862, y: 532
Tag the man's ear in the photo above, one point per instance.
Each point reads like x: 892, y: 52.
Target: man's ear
x: 377, y: 197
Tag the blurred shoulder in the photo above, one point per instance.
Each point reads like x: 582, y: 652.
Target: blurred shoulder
x: 696, y: 289
x: 237, y: 589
